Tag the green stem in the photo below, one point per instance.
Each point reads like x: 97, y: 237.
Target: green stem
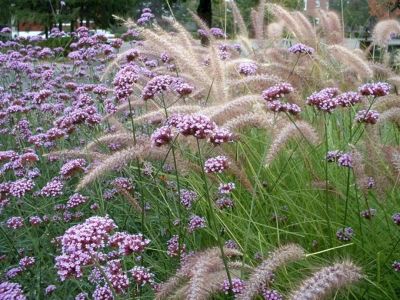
x: 213, y: 219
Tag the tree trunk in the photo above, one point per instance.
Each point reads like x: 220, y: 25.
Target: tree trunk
x: 73, y: 25
x: 204, y: 10
x: 46, y: 31
x: 60, y: 26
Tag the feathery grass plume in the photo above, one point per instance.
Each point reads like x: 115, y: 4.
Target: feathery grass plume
x: 123, y: 139
x: 322, y: 283
x: 321, y: 186
x: 289, y: 21
x: 383, y: 30
x: 302, y: 129
x: 116, y: 124
x: 390, y: 115
x: 306, y: 27
x: 262, y: 80
x: 66, y: 154
x: 259, y: 20
x: 331, y: 27
x: 150, y: 105
x: 380, y: 70
x: 348, y: 58
x: 183, y: 60
x: 276, y: 55
x: 395, y: 159
x: 115, y: 161
x: 193, y: 273
x: 183, y: 35
x: 359, y: 170
x: 251, y: 120
x: 159, y: 115
x: 376, y: 162
x: 221, y: 113
x: 264, y: 272
x: 275, y: 30
x: 237, y: 17
x: 395, y: 80
x: 132, y: 200
x: 298, y: 76
x: 387, y: 102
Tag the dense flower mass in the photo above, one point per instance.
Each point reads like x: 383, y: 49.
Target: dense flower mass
x: 221, y: 135
x: 277, y: 91
x: 237, y: 287
x: 199, y: 126
x: 165, y: 83
x: 348, y: 99
x: 367, y: 116
x: 216, y: 164
x: 196, y: 222
x: 72, y: 167
x: 345, y: 234
x: 324, y: 100
x: 174, y: 248
x: 247, y: 68
x: 162, y: 136
x: 187, y: 198
x: 301, y: 49
x: 396, y: 218
x: 11, y: 291
x: 269, y: 294
x: 376, y: 89
x: 142, y: 275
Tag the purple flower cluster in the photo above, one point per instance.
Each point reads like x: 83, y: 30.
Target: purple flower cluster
x: 301, y: 49
x: 173, y: 247
x: 224, y: 203
x: 396, y: 218
x: 396, y: 266
x: 376, y: 89
x: 196, y: 222
x: 247, y: 68
x: 226, y: 188
x: 164, y: 83
x: 76, y: 200
x: 72, y: 167
x: 145, y: 17
x: 367, y: 116
x: 345, y: 234
x: 53, y: 188
x: 342, y: 159
x: 269, y: 294
x: 220, y: 136
x: 15, y: 222
x: 368, y: 213
x: 12, y: 291
x: 237, y: 287
x: 273, y: 95
x: 348, y: 99
x: 216, y: 164
x: 162, y: 136
x: 142, y: 275
x: 188, y: 197
x: 324, y: 99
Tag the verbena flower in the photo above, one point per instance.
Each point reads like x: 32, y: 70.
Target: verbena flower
x: 277, y: 91
x: 367, y: 116
x: 221, y: 135
x: 216, y: 164
x: 301, y: 49
x: 162, y: 136
x: 53, y: 188
x: 396, y: 266
x: 247, y: 68
x: 196, y: 222
x: 198, y: 125
x: 376, y: 89
x: 324, y: 99
x: 226, y: 188
x: 237, y: 287
x: 76, y: 200
x: 396, y: 218
x: 269, y: 294
x: 15, y: 222
x: 11, y: 290
x: 187, y: 198
x: 348, y: 99
x: 142, y: 275
x: 26, y: 262
x: 173, y: 247
x: 50, y: 289
x: 368, y: 213
x: 345, y: 160
x: 345, y: 234
x: 72, y: 167
x: 224, y: 203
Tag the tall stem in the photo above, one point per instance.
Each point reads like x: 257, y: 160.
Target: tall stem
x: 212, y: 217
x: 328, y: 221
